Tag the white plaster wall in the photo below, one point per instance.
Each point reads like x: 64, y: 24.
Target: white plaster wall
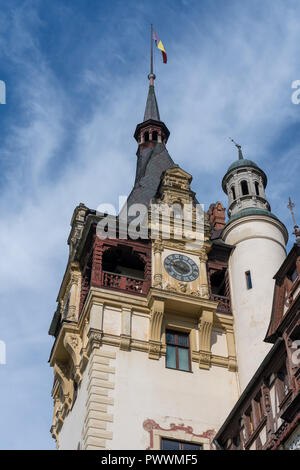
x: 260, y: 249
x: 70, y: 434
x: 218, y: 342
x: 112, y: 321
x: 145, y: 389
x: 139, y: 326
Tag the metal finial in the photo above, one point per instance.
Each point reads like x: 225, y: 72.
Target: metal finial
x: 296, y: 232
x: 239, y: 147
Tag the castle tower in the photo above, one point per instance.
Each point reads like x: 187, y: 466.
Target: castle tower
x: 259, y: 239
x: 144, y: 352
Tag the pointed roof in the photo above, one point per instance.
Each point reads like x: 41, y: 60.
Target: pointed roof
x: 151, y: 111
x: 151, y: 164
x: 151, y: 115
x: 153, y: 159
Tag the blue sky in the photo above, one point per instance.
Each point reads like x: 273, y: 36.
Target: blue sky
x: 76, y: 78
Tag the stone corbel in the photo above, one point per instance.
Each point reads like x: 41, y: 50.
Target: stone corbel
x: 95, y: 332
x: 94, y: 340
x: 54, y: 433
x: 156, y: 317
x: 73, y: 343
x: 61, y: 373
x: 205, y: 329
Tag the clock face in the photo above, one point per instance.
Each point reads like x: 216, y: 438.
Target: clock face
x: 181, y: 267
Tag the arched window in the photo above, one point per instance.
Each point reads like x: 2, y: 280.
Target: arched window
x: 154, y: 135
x: 177, y: 211
x: 217, y: 282
x: 256, y: 188
x: 121, y: 260
x: 146, y: 136
x: 233, y: 192
x: 244, y: 186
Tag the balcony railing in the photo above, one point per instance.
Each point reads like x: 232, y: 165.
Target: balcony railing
x: 122, y: 282
x: 224, y: 303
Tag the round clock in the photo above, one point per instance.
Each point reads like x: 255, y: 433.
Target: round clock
x: 181, y: 267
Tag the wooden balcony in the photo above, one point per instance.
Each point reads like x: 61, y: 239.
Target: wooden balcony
x: 121, y: 282
x: 224, y: 303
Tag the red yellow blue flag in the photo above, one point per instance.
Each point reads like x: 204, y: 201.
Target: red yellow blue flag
x: 159, y: 45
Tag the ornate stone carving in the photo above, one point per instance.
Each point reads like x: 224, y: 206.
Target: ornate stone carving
x: 94, y: 340
x: 205, y: 329
x: 182, y: 287
x: 154, y: 349
x: 158, y: 246
x: 125, y: 342
x: 156, y: 317
x: 72, y: 343
x: 204, y: 360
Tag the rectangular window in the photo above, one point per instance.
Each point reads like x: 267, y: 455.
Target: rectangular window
x: 283, y: 385
x: 169, y: 444
x: 178, y: 350
x: 258, y: 409
x: 249, y: 422
x: 248, y: 280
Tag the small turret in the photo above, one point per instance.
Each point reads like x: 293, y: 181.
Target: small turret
x: 245, y: 183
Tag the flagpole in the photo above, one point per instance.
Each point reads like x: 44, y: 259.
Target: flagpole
x: 151, y: 59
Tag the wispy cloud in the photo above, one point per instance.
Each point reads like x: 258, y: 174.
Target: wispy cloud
x: 69, y: 139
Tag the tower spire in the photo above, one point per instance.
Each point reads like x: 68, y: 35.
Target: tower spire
x: 296, y: 232
x: 151, y: 49
x: 151, y: 111
x: 152, y: 130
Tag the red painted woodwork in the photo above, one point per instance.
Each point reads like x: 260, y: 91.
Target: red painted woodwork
x: 93, y: 274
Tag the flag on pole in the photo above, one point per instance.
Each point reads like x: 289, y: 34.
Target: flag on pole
x: 159, y: 45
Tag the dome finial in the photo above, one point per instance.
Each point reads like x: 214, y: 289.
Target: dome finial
x: 239, y: 147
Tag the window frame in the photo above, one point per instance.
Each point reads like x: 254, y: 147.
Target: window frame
x: 177, y: 346
x: 181, y: 442
x: 245, y: 188
x: 178, y: 435
x: 249, y: 283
